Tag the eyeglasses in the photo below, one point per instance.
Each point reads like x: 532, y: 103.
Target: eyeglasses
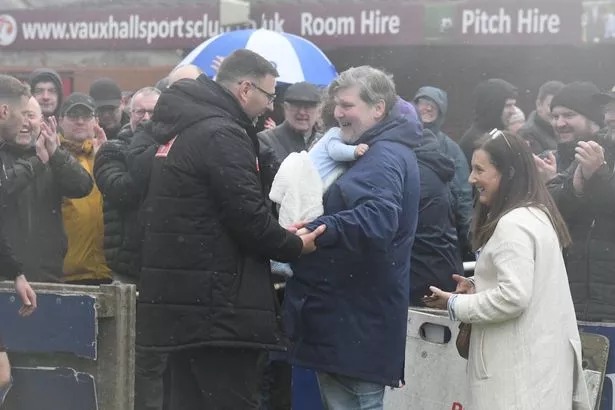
x: 141, y: 113
x: 270, y: 97
x: 494, y: 133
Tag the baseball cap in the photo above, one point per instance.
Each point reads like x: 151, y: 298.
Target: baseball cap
x: 78, y: 99
x: 106, y: 93
x: 303, y: 92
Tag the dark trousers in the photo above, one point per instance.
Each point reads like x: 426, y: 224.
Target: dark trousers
x: 215, y: 379
x: 150, y: 368
x: 276, y: 385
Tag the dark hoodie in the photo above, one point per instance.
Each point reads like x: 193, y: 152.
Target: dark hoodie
x: 205, y: 277
x: 435, y: 255
x: 44, y: 75
x: 461, y: 191
x: 346, y: 306
x: 489, y: 100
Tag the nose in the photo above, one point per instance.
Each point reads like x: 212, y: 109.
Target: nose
x: 337, y: 112
x: 147, y: 115
x: 270, y: 105
x: 472, y: 178
x: 559, y: 122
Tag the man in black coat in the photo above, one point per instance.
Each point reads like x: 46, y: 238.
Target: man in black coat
x: 206, y: 291
x: 38, y: 174
x: 537, y: 130
x: 494, y: 100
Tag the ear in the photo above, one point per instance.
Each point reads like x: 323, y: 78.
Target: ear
x: 243, y: 90
x: 4, y: 112
x: 379, y: 109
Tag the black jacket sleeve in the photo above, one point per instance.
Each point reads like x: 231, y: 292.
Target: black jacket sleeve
x: 140, y: 157
x: 9, y: 266
x: 112, y: 176
x: 17, y: 177
x: 71, y: 178
x: 229, y: 160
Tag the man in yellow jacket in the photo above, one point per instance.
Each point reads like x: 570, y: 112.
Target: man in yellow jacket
x: 83, y: 218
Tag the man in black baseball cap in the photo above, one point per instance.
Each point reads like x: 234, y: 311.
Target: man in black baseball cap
x: 298, y: 132
x: 109, y: 106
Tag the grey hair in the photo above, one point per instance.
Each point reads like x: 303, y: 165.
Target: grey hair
x: 143, y: 91
x: 374, y: 85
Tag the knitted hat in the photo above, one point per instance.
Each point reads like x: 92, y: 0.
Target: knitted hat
x: 579, y: 96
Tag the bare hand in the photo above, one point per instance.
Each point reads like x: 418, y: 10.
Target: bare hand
x: 464, y: 285
x: 438, y: 298
x: 41, y: 149
x: 309, y: 238
x: 547, y: 167
x: 99, y: 137
x: 26, y: 294
x: 590, y: 156
x: 269, y: 124
x: 360, y: 150
x: 51, y: 138
x: 294, y: 228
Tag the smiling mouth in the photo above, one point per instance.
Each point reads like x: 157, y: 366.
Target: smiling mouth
x: 344, y: 124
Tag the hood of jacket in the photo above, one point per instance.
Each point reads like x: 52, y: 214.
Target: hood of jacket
x: 489, y: 100
x: 403, y: 131
x: 47, y: 74
x: 428, y: 154
x: 188, y: 102
x: 440, y: 98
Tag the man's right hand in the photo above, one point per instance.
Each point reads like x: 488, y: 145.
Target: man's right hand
x: 547, y: 167
x: 309, y: 238
x: 41, y: 149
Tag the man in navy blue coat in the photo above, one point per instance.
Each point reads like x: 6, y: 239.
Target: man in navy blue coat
x: 346, y: 306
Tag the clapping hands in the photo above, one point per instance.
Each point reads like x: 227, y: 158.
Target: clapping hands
x: 48, y: 140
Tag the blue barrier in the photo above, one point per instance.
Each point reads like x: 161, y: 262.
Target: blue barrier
x: 44, y: 388
x: 607, y: 330
x: 62, y: 323
x: 75, y: 352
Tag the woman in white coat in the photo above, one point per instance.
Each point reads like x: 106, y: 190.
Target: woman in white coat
x: 525, y: 350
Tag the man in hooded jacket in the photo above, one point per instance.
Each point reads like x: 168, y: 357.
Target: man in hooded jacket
x: 494, y: 100
x: 206, y: 292
x: 432, y: 104
x: 46, y: 87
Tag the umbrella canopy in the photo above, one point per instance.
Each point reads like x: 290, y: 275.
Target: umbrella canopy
x: 295, y: 58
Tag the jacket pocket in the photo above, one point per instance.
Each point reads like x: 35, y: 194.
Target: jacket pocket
x: 479, y: 364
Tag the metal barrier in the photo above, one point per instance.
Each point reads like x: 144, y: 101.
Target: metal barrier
x: 76, y: 351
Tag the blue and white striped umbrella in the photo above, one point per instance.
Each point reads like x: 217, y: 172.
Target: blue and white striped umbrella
x: 296, y: 58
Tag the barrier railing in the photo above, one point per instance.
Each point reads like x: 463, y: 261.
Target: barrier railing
x: 77, y: 349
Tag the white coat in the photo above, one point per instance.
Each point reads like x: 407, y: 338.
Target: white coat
x: 525, y: 350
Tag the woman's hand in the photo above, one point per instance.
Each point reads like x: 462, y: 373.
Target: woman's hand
x: 464, y: 285
x: 438, y: 298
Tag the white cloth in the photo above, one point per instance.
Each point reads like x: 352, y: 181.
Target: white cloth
x: 525, y: 349
x: 298, y: 189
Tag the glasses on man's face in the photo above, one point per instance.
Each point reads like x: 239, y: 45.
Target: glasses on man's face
x: 270, y: 97
x: 141, y: 113
x: 495, y: 133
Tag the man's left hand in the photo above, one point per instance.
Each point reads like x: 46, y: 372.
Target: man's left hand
x: 590, y: 156
x: 26, y: 294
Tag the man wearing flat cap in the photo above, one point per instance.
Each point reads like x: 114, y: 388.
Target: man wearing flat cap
x: 298, y: 131
x: 109, y: 106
